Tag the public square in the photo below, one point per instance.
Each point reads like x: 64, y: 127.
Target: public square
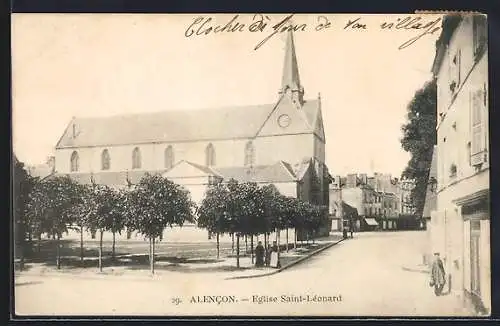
x: 371, y: 274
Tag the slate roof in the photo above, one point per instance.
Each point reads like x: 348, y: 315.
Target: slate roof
x: 279, y: 172
x: 347, y: 209
x: 176, y: 126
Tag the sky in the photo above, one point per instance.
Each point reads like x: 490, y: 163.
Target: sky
x: 66, y: 65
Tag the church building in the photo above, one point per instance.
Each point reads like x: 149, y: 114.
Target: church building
x: 280, y: 143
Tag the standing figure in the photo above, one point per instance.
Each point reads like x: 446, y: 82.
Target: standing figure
x: 351, y: 227
x: 276, y: 251
x: 259, y: 255
x: 438, y: 278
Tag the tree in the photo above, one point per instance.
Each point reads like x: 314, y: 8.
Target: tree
x: 118, y: 218
x: 419, y: 138
x: 105, y: 209
x: 82, y: 213
x: 22, y: 184
x: 154, y: 204
x: 212, y: 213
x: 50, y: 207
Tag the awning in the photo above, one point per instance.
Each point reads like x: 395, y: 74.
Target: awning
x: 371, y: 221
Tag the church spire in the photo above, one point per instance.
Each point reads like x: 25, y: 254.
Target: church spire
x: 290, y: 82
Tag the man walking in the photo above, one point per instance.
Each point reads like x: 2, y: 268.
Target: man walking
x: 438, y: 278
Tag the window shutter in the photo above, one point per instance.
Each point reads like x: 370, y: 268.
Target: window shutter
x: 477, y: 128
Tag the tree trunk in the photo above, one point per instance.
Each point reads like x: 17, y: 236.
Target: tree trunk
x: 81, y: 245
x: 246, y: 245
x: 58, y: 251
x: 113, y: 248
x: 39, y: 242
x: 152, y: 256
x: 251, y: 248
x: 295, y: 238
x: 232, y: 245
x: 238, y: 251
x: 100, y: 251
x: 278, y: 233
x: 218, y: 246
x: 286, y: 239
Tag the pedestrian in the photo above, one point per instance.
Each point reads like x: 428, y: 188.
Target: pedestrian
x: 275, y: 246
x: 438, y: 278
x: 351, y: 229
x: 276, y: 250
x: 259, y: 255
x: 268, y: 254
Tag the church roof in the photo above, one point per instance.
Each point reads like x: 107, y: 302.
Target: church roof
x: 177, y: 126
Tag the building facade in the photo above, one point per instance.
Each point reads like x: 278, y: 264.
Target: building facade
x: 281, y: 143
x: 461, y: 222
x: 375, y: 199
x: 405, y: 188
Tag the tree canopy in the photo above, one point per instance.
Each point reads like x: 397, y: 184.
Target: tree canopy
x: 419, y: 138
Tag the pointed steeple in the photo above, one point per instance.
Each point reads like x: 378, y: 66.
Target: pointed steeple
x: 290, y: 82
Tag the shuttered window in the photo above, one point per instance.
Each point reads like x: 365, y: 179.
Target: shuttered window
x: 477, y: 127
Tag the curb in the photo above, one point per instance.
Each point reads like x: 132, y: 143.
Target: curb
x: 290, y: 264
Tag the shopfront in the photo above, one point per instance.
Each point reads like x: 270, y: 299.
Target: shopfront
x: 477, y: 277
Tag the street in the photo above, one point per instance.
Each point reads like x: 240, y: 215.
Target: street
x: 363, y: 276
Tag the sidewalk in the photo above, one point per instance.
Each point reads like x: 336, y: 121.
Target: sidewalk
x: 330, y: 242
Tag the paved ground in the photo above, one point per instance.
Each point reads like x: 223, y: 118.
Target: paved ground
x: 363, y: 276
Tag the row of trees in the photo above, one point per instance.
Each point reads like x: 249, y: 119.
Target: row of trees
x: 245, y: 209
x: 55, y: 205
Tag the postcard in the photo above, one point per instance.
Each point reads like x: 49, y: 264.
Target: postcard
x: 251, y: 165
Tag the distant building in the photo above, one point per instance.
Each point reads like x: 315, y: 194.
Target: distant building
x: 461, y: 222
x: 375, y: 199
x: 405, y: 188
x: 42, y: 171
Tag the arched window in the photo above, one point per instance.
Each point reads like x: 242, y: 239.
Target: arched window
x: 105, y: 160
x: 75, y: 162
x: 210, y: 155
x: 136, y: 158
x: 169, y: 157
x: 249, y: 154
